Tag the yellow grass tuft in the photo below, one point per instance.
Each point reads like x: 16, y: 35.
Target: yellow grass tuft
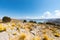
x: 2, y: 28
x: 46, y: 37
x: 36, y: 38
x: 56, y: 34
x: 13, y: 24
x: 22, y: 36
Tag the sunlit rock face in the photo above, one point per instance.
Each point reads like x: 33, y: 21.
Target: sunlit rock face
x: 4, y: 36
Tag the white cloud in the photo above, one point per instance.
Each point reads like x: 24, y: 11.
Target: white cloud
x: 30, y: 17
x: 57, y: 13
x: 45, y: 15
x: 48, y: 14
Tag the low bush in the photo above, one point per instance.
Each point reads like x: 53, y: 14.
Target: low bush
x: 40, y: 23
x: 50, y: 23
x: 31, y: 21
x: 6, y: 19
x: 24, y: 21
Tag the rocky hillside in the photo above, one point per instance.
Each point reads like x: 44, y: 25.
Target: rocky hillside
x: 28, y: 31
x: 55, y: 21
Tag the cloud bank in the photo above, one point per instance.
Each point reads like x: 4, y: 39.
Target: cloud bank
x: 46, y: 15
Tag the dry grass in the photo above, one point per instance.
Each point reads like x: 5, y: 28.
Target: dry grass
x: 18, y: 30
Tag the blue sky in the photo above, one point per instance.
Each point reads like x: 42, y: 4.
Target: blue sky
x: 30, y: 8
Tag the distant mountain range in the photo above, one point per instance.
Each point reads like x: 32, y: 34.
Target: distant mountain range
x: 55, y: 21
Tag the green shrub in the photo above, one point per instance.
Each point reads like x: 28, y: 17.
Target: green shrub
x: 34, y: 22
x: 6, y: 19
x: 24, y: 21
x: 40, y: 23
x: 31, y: 21
x: 50, y: 23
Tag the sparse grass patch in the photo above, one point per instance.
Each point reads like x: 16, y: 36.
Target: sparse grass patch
x: 22, y: 36
x: 36, y: 38
x: 2, y: 28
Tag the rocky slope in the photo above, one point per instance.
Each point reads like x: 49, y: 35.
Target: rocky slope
x: 28, y: 31
x: 55, y: 21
